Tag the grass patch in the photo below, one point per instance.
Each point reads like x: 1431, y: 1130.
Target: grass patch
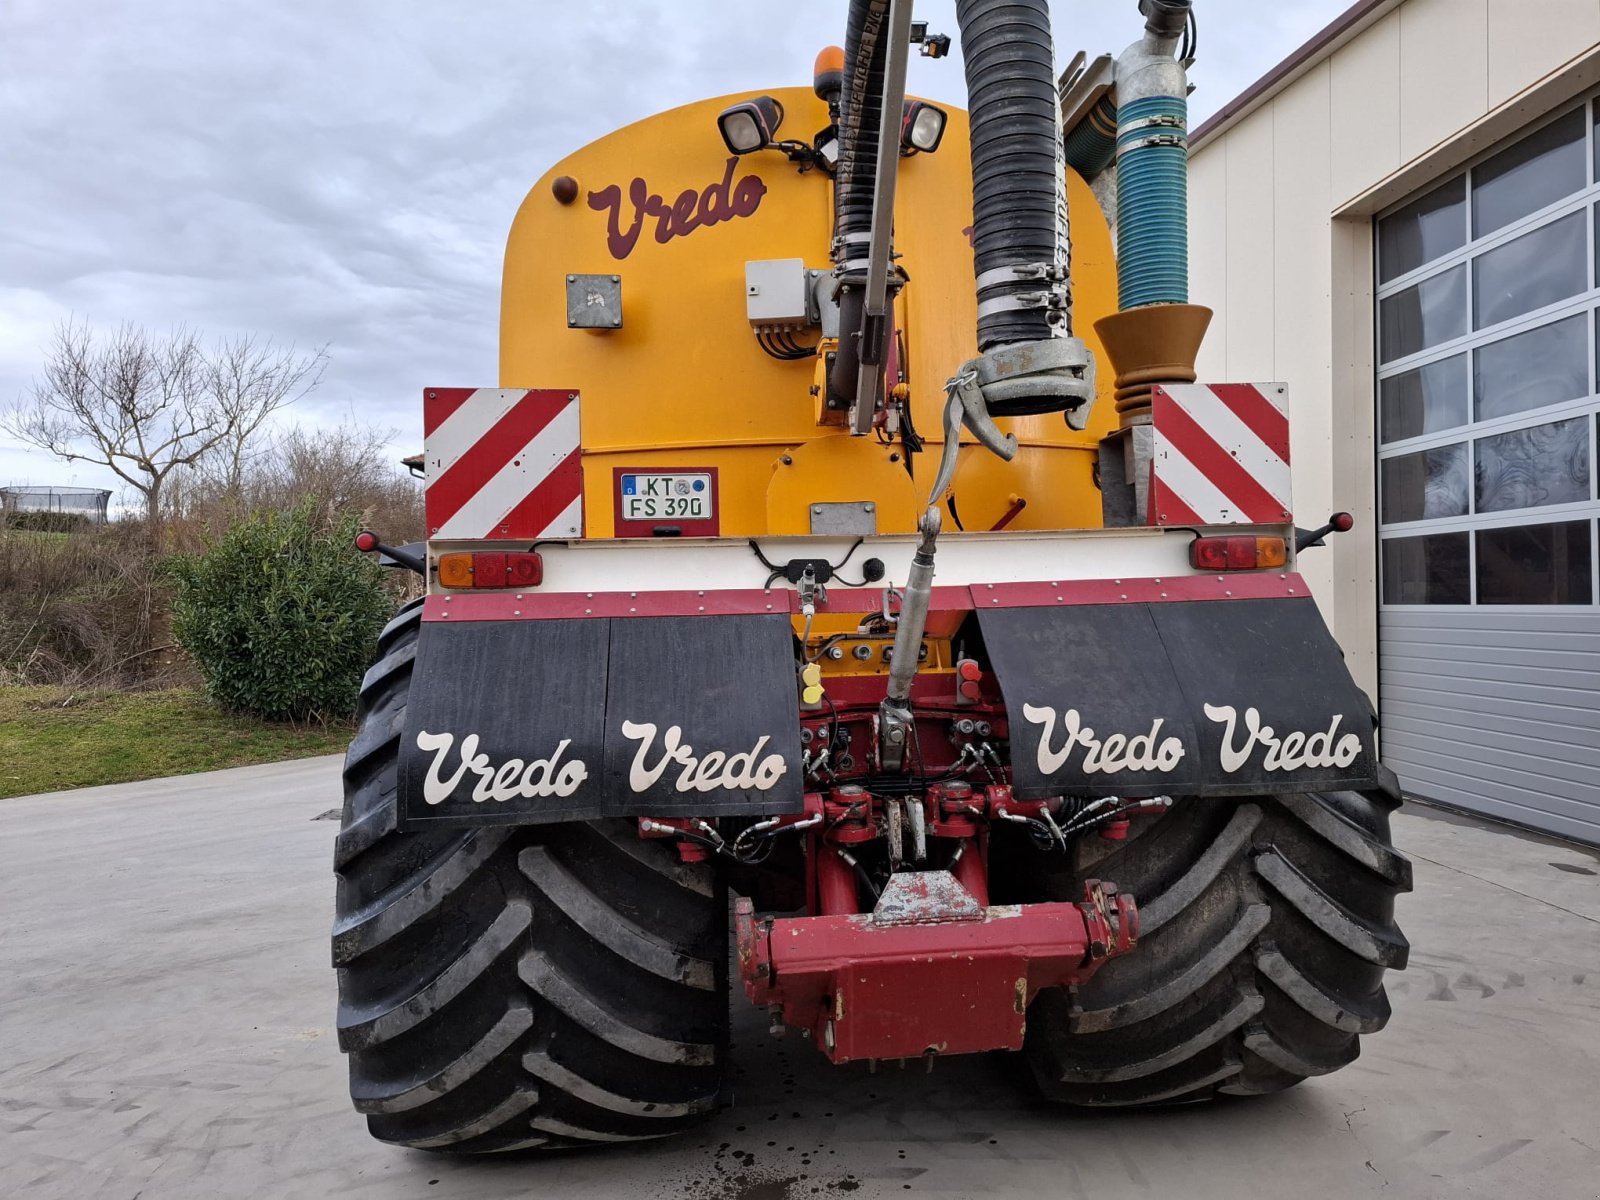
x: 51, y: 739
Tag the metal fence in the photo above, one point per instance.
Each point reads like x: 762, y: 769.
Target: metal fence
x: 89, y: 504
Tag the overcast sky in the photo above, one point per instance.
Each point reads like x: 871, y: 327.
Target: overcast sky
x: 346, y: 172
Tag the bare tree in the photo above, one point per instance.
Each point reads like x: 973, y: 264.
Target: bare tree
x: 345, y: 468
x: 146, y: 406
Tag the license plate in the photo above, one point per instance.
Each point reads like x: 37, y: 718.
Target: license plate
x: 679, y: 497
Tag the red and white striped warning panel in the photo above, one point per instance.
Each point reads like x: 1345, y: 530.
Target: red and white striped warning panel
x: 1221, y: 454
x: 501, y: 463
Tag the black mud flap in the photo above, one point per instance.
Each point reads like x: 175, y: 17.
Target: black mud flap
x: 525, y: 722
x: 1203, y: 698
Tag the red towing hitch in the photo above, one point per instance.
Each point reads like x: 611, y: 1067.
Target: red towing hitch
x: 930, y: 970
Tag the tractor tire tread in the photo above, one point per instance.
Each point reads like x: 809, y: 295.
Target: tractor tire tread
x: 1267, y: 926
x: 516, y: 988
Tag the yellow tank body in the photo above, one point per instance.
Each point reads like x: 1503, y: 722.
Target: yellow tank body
x: 683, y: 383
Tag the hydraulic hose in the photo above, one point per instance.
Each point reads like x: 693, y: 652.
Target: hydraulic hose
x: 1019, y: 205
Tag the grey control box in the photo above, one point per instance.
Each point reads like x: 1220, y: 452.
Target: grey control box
x: 777, y: 294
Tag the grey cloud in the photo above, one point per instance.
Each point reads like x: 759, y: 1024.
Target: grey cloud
x: 346, y: 173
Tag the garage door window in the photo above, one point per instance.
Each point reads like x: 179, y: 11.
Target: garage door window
x: 1487, y: 399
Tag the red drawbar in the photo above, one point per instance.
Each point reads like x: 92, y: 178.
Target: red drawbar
x: 919, y: 981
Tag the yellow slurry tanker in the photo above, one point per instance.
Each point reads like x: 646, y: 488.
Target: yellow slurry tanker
x: 850, y: 597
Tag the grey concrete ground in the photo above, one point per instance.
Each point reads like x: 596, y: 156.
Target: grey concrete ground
x: 165, y: 1030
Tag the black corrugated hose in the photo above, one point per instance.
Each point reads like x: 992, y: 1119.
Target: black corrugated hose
x: 1018, y: 198
x: 866, y: 49
x: 860, y: 118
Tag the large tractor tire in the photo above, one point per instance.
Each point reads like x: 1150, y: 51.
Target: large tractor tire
x: 1267, y: 925
x: 512, y: 988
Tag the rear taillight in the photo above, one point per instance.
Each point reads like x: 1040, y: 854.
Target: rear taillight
x: 1237, y: 553
x: 491, y: 569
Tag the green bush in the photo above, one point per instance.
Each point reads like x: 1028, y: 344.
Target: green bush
x: 281, y: 614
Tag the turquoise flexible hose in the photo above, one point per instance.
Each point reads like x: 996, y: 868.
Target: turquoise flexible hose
x: 1152, y: 205
x: 1092, y: 144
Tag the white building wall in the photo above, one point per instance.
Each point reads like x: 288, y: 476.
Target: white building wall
x: 1282, y: 201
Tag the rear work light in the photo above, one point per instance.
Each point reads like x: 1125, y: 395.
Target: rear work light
x: 1237, y: 553
x: 491, y: 569
x: 921, y: 127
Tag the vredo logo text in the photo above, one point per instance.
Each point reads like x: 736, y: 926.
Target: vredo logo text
x: 715, y: 770
x: 1148, y: 751
x: 694, y: 208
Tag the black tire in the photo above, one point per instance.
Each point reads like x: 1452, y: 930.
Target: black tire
x: 1267, y: 927
x: 513, y: 988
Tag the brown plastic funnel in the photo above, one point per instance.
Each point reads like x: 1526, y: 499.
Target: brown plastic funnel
x: 1157, y: 343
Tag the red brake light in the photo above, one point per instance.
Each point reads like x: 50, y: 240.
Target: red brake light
x: 491, y: 569
x: 488, y: 570
x: 1237, y: 553
x: 524, y: 570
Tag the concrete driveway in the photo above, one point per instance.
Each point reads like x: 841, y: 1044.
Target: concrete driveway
x: 166, y: 1030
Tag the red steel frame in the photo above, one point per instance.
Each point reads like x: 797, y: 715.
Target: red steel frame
x: 940, y: 971
x: 536, y: 605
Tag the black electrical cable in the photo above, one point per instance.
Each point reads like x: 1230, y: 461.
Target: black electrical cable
x: 786, y: 340
x: 782, y: 569
x: 847, y: 555
x: 833, y: 713
x: 764, y: 560
x: 822, y: 648
x: 861, y: 873
x: 916, y: 740
x: 908, y: 431
x: 771, y: 343
x: 910, y: 439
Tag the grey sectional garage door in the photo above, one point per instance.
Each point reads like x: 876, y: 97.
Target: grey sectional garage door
x: 1489, y: 626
